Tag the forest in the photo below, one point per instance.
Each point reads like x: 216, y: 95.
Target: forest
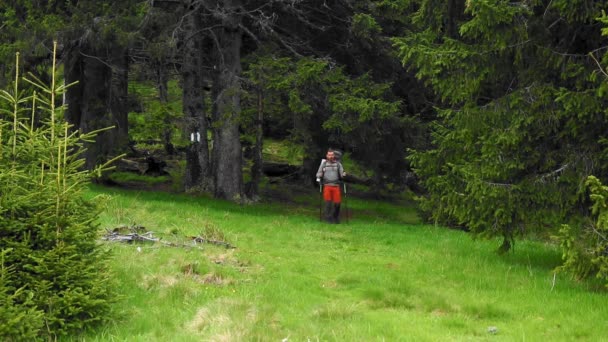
x: 491, y: 113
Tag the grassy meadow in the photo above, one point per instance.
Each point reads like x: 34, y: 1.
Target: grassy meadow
x: 383, y: 276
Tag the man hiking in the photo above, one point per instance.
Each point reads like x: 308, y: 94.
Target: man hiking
x: 330, y: 175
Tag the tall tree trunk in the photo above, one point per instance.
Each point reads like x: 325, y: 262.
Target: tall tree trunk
x: 163, y: 96
x: 198, y: 170
x: 227, y: 154
x: 455, y: 9
x: 256, y: 168
x: 99, y: 99
x: 118, y: 101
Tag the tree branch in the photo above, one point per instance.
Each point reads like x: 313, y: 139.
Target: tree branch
x: 598, y: 64
x: 553, y: 173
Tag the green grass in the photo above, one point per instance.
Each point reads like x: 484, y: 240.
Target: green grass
x: 381, y: 277
x: 279, y: 151
x: 133, y: 178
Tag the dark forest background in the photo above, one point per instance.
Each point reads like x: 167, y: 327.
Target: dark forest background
x: 493, y: 112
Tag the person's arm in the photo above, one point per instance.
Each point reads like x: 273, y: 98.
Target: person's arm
x: 320, y: 171
x: 341, y: 170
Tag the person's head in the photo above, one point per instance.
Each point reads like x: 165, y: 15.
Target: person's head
x: 330, y: 155
x: 333, y: 155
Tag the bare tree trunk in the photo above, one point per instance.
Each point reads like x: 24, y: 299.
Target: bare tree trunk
x: 163, y: 95
x: 99, y: 99
x: 256, y: 168
x: 227, y: 154
x: 119, y: 90
x: 455, y: 11
x: 198, y: 170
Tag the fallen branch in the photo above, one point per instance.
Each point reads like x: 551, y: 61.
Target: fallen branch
x: 139, y: 234
x: 199, y: 239
x: 130, y: 234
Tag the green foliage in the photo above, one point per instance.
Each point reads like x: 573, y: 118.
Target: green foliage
x: 461, y: 68
x: 327, y: 107
x: 363, y: 97
x: 280, y: 151
x: 585, y: 247
x: 312, y: 85
x: 20, y: 318
x: 520, y: 123
x: 156, y: 117
x: 54, y: 274
x: 365, y: 26
x: 31, y: 26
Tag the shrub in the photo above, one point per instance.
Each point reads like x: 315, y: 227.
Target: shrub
x: 54, y: 276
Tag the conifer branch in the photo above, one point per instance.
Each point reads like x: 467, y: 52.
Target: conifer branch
x: 552, y: 173
x: 599, y: 65
x: 501, y: 185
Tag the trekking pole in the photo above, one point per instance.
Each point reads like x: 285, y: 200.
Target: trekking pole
x: 345, y: 206
x: 320, y: 202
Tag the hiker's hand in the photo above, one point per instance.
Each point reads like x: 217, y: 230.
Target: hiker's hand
x: 318, y: 180
x: 343, y: 174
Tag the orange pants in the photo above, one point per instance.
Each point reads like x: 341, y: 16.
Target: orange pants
x: 331, y: 193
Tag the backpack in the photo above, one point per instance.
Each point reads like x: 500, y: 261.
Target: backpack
x: 338, y: 155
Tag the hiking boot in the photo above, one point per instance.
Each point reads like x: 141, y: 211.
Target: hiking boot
x: 336, y: 213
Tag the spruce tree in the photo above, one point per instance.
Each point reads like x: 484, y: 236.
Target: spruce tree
x: 522, y: 115
x: 53, y: 277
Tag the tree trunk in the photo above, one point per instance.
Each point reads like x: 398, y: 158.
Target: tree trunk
x: 227, y: 158
x: 310, y: 165
x: 198, y: 170
x: 99, y: 99
x: 257, y: 167
x: 163, y: 96
x: 455, y: 10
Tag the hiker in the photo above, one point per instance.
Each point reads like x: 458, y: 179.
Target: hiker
x: 330, y: 175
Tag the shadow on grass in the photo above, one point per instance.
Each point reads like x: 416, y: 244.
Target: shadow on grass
x: 289, y: 200
x: 528, y: 254
x: 356, y: 206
